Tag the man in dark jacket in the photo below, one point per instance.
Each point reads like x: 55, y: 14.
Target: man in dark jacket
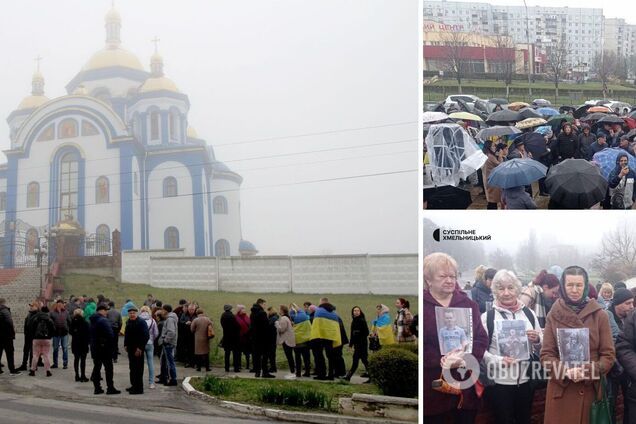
x: 272, y: 317
x: 43, y: 333
x: 567, y: 145
x: 621, y: 308
x: 28, y: 336
x: 586, y: 138
x: 597, y: 146
x: 62, y: 321
x: 101, y: 340
x: 7, y: 335
x: 231, y: 335
x: 135, y: 338
x: 259, y: 326
x: 324, y: 347
x: 114, y: 316
x: 482, y: 291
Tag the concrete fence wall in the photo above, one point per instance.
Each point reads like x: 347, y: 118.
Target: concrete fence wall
x: 376, y: 274
x: 20, y: 287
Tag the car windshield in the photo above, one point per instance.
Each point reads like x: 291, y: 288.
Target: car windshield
x: 464, y: 98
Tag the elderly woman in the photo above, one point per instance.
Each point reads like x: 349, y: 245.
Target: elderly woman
x: 605, y: 295
x: 441, y: 290
x: 573, y: 386
x: 512, y: 389
x: 199, y: 329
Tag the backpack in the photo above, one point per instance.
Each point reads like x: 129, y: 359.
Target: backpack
x: 42, y: 330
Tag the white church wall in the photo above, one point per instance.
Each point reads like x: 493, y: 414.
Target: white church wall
x: 206, y: 222
x: 171, y: 211
x: 227, y: 226
x: 198, y: 273
x: 135, y: 264
x: 102, y: 162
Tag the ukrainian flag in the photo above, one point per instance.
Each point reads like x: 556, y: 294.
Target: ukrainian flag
x: 384, y: 329
x: 302, y: 327
x: 326, y: 326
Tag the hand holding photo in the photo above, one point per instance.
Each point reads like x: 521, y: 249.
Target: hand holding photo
x: 454, y: 328
x: 512, y: 340
x: 574, y: 345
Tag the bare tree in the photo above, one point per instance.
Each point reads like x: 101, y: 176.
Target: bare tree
x: 528, y: 257
x: 499, y: 259
x: 604, y: 65
x: 504, y: 59
x: 617, y: 258
x: 557, y: 55
x: 456, y: 48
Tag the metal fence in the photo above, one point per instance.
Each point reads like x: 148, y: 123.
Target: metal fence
x: 96, y: 245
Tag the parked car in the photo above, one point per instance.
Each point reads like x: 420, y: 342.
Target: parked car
x: 451, y: 101
x: 536, y: 103
x: 621, y: 108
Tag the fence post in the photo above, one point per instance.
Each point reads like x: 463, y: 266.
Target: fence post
x: 291, y: 274
x: 218, y: 273
x: 368, y: 274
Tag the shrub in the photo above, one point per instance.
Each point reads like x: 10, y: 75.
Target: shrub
x: 395, y: 371
x: 217, y: 386
x: 295, y: 396
x: 410, y: 347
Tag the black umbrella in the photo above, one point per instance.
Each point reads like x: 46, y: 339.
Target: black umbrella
x: 582, y: 111
x: 529, y: 113
x: 498, y: 101
x: 463, y: 106
x: 632, y: 114
x: 535, y: 144
x: 566, y: 109
x: 576, y: 184
x: 497, y: 131
x: 504, y: 116
x: 611, y: 119
x: 594, y: 116
x: 631, y: 134
x: 447, y: 197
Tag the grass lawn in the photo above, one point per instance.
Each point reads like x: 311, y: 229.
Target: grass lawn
x: 212, y: 303
x: 246, y: 390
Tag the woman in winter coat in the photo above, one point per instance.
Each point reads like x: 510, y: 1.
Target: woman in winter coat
x: 403, y: 321
x: 573, y: 386
x: 230, y: 342
x: 79, y: 331
x: 621, y: 180
x: 199, y: 328
x: 153, y: 332
x: 567, y: 145
x: 496, y: 153
x: 441, y: 290
x: 285, y: 336
x: 359, y: 342
x: 512, y: 389
x: 245, y: 343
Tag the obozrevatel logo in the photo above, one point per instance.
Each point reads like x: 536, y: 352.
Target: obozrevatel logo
x: 436, y: 235
x: 469, y: 363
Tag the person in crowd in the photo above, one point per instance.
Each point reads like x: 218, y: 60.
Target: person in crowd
x: 245, y: 344
x: 606, y: 293
x: 381, y: 326
x: 27, y: 350
x: 340, y: 368
x: 441, y: 290
x: 135, y: 340
x: 114, y: 317
x: 186, y: 340
x: 62, y: 322
x: 7, y: 335
x: 73, y: 305
x: 572, y: 386
x: 168, y: 341
x: 80, y: 341
x: 149, y: 351
x: 259, y: 334
x: 272, y: 317
x: 586, y: 139
x: 625, y: 145
x: 496, y: 153
x: 101, y: 344
x: 199, y: 328
x: 286, y: 337
x: 482, y: 292
x: 540, y: 295
x: 403, y: 321
x: 183, y: 332
x: 599, y: 144
x: 307, y: 306
x: 479, y: 274
x: 621, y: 306
x: 160, y: 318
x: 42, y: 334
x: 358, y: 342
x: 89, y: 309
x: 302, y: 337
x: 325, y: 336
x: 621, y: 184
x: 517, y: 198
x: 567, y: 145
x: 150, y: 300
x: 512, y: 395
x: 231, y: 339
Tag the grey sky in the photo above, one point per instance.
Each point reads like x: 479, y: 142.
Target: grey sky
x: 264, y: 69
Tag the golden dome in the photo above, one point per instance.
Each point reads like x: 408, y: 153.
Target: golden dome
x: 30, y: 102
x: 108, y: 57
x: 158, y: 84
x: 191, y: 132
x: 113, y: 16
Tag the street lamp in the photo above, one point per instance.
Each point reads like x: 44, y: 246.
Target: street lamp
x: 40, y: 251
x: 530, y: 64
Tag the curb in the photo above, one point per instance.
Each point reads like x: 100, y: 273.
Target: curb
x: 305, y: 417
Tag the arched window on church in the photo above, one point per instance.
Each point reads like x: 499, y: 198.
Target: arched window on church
x: 31, y: 241
x: 219, y: 204
x: 88, y: 128
x: 102, y: 190
x: 154, y: 125
x: 33, y: 195
x: 67, y: 129
x: 69, y: 175
x: 170, y: 187
x: 102, y: 239
x: 171, y: 238
x: 222, y: 248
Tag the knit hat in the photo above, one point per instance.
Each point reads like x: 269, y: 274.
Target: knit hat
x: 621, y: 295
x: 227, y: 307
x: 240, y: 308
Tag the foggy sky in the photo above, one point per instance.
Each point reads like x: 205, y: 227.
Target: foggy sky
x: 266, y: 69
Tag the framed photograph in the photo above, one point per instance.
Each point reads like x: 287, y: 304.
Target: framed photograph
x: 512, y: 340
x: 574, y: 344
x: 454, y: 329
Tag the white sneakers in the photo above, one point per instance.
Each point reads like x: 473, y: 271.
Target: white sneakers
x: 151, y: 386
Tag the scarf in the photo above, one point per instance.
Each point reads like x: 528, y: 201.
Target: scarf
x: 579, y: 304
x: 514, y: 308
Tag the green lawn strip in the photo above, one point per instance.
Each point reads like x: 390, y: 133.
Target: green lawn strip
x: 491, y: 83
x: 212, y: 303
x: 246, y: 390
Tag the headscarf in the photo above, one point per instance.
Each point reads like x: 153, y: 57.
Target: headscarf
x: 580, y: 304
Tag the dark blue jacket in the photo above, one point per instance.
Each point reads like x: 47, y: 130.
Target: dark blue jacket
x: 595, y: 148
x: 101, y: 336
x: 614, y: 175
x: 481, y: 294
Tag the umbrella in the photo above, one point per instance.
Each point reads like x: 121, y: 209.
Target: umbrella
x: 497, y: 131
x: 504, y: 116
x: 630, y: 122
x: 606, y: 160
x: 611, y: 119
x: 556, y: 121
x: 517, y: 105
x: 576, y: 184
x: 516, y: 173
x: 529, y: 113
x: 535, y: 144
x: 434, y: 117
x: 530, y: 122
x: 547, y: 111
x: 465, y: 116
x: 594, y: 116
x: 564, y: 109
x: 447, y: 197
x: 632, y: 114
x: 582, y: 111
x: 600, y: 109
x: 498, y: 101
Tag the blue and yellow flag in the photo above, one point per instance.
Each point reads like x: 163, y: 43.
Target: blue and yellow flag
x: 384, y: 329
x: 302, y: 326
x: 326, y: 326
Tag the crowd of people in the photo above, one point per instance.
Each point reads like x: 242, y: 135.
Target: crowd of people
x: 581, y: 342
x: 183, y: 335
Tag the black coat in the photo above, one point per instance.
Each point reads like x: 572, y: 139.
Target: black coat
x: 7, y: 331
x: 567, y: 146
x: 231, y: 331
x: 80, y: 333
x: 481, y: 294
x: 136, y: 335
x: 343, y: 333
x: 28, y: 325
x: 359, y: 333
x: 102, y: 341
x: 272, y: 332
x: 259, y: 325
x: 43, y: 317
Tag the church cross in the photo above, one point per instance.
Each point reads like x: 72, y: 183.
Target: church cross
x: 156, y: 41
x: 37, y: 60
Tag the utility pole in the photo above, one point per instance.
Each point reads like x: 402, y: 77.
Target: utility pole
x: 530, y: 57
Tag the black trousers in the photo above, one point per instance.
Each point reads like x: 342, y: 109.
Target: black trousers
x: 492, y: 205
x: 271, y: 356
x: 116, y: 343
x: 203, y: 361
x: 6, y: 346
x: 236, y: 359
x: 302, y: 355
x: 26, y: 352
x: 320, y: 348
x: 513, y: 403
x: 136, y: 367
x: 456, y: 416
x: 259, y: 352
x: 290, y: 357
x: 79, y: 364
x: 340, y: 368
x: 96, y: 375
x: 359, y: 354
